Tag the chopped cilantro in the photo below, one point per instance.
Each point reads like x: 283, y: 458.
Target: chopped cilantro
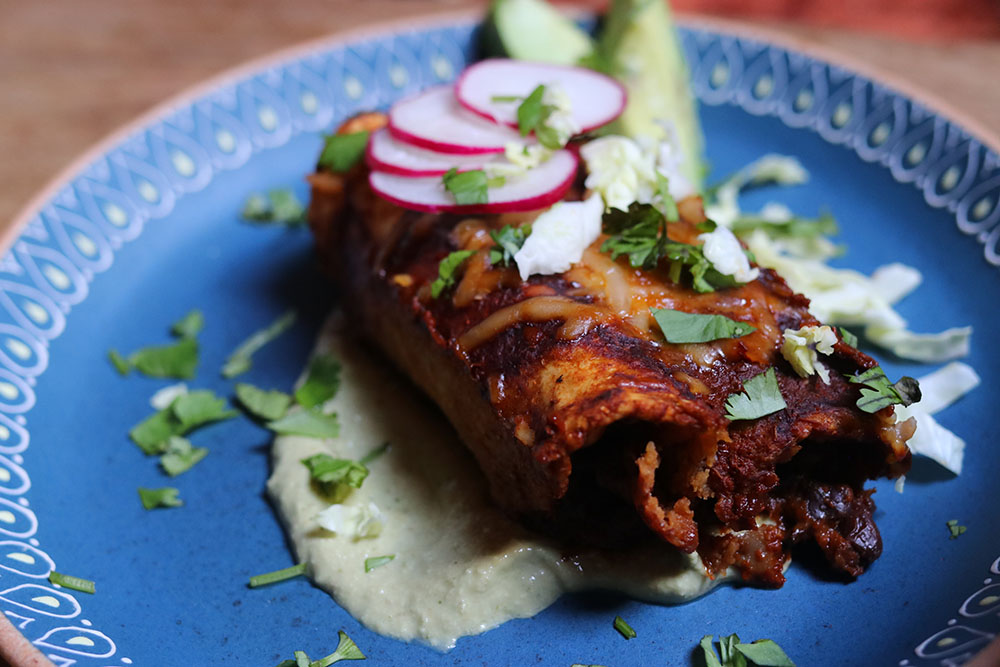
x: 623, y: 628
x: 321, y: 383
x: 280, y: 206
x: 343, y: 151
x: 335, y: 477
x: 954, y: 529
x: 848, y: 337
x: 239, y: 361
x: 120, y: 363
x: 181, y: 456
x: 374, y: 454
x: 196, y: 408
x: 186, y: 413
x: 879, y: 393
x: 469, y: 187
x: 278, y: 575
x: 680, y: 327
x: 188, y: 326
x: 310, y: 423
x: 346, y: 650
x: 509, y: 240
x: 267, y: 405
x: 377, y: 561
x: 446, y: 270
x: 734, y: 653
x: 640, y: 232
x: 176, y: 360
x: 75, y: 583
x: 533, y: 115
x: 761, y: 396
x: 166, y: 496
x: 668, y: 207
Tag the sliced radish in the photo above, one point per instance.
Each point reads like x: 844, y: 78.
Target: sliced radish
x: 388, y: 154
x: 434, y: 120
x: 595, y: 99
x: 537, y: 188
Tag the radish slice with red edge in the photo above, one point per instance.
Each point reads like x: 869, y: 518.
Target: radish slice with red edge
x: 534, y: 189
x: 595, y: 99
x: 435, y: 121
x: 388, y: 154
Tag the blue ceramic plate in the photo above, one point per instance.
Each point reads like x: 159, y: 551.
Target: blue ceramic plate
x: 148, y: 229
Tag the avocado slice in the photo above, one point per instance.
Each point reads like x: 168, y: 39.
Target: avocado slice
x: 640, y: 46
x: 533, y: 30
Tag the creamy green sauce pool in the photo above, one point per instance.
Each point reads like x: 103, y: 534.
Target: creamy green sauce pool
x: 461, y: 567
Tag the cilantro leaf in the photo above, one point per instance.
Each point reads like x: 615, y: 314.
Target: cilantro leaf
x: 469, y: 187
x: 532, y: 112
x: 377, y: 561
x: 321, y: 383
x: 446, y: 270
x: 196, y: 408
x: 623, y: 628
x: 879, y: 393
x: 374, y: 454
x: 668, y: 207
x: 765, y: 653
x: 176, y: 360
x: 735, y: 653
x: 640, y: 232
x: 267, y: 405
x: 120, y: 363
x: 343, y: 151
x: 680, y: 327
x: 848, y: 337
x: 280, y: 206
x: 711, y: 659
x: 188, y: 326
x: 346, y: 650
x: 259, y: 580
x: 954, y: 529
x: 509, y: 240
x: 75, y: 583
x: 239, y: 361
x: 186, y: 413
x: 162, y: 497
x: 181, y: 456
x: 335, y: 477
x: 153, y: 433
x: 310, y: 423
x: 761, y: 396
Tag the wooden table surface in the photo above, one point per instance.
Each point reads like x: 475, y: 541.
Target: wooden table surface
x: 73, y: 71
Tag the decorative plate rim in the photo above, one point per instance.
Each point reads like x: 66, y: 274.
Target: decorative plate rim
x: 15, y: 648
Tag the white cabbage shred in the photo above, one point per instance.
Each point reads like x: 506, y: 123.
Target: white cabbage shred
x: 354, y: 521
x: 162, y: 399
x: 624, y: 170
x: 723, y: 250
x: 802, y: 347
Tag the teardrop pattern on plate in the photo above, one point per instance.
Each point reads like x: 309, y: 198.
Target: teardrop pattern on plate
x: 118, y: 218
x: 766, y: 76
x: 85, y: 642
x: 14, y: 480
x: 952, y: 175
x: 145, y: 185
x: 52, y: 272
x: 25, y: 560
x: 313, y: 111
x: 14, y: 438
x: 43, y: 600
x: 224, y: 137
x: 32, y: 309
x: 264, y: 113
x: 951, y: 640
x: 79, y: 239
x: 181, y: 159
x: 21, y: 353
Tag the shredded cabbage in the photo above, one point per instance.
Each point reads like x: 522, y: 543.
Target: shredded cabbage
x: 162, y: 399
x: 353, y: 521
x: 802, y: 347
x: 838, y: 296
